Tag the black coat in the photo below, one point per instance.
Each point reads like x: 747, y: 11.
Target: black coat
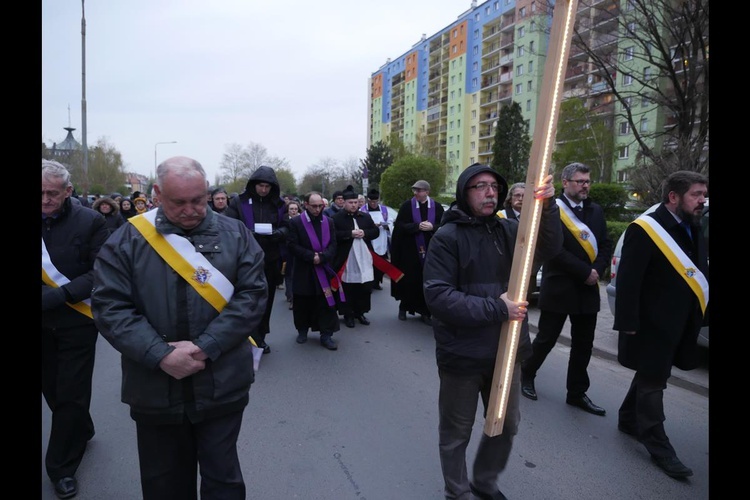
x: 563, y: 289
x: 405, y: 255
x: 304, y: 279
x: 654, y: 301
x: 73, y: 240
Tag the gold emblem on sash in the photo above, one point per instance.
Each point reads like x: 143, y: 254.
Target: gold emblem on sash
x: 202, y: 275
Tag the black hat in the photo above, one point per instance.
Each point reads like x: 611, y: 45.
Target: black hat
x: 373, y: 194
x: 349, y: 193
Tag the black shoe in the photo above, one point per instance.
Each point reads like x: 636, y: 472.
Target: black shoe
x: 266, y: 348
x: 427, y: 320
x: 527, y: 389
x: 66, y: 487
x: 301, y: 338
x: 497, y: 495
x: 363, y: 320
x: 584, y: 403
x: 672, y: 467
x: 349, y: 322
x: 377, y: 286
x: 402, y: 315
x: 329, y: 343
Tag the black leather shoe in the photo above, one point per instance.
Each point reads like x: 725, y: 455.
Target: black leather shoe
x: 497, y: 495
x: 527, y: 389
x: 266, y: 348
x: 349, y: 322
x: 301, y: 338
x: 66, y: 487
x: 402, y: 315
x: 427, y: 320
x: 584, y: 403
x: 363, y: 320
x: 377, y: 286
x: 329, y: 344
x: 672, y: 467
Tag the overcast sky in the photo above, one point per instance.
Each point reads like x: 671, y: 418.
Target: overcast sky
x: 289, y: 75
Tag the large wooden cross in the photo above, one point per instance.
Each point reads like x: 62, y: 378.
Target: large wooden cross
x: 563, y: 17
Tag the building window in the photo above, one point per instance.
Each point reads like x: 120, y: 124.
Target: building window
x: 624, y: 128
x: 529, y: 86
x: 644, y: 124
x: 647, y: 73
x: 473, y: 145
x: 476, y: 17
x: 528, y: 104
x: 476, y: 33
x: 475, y: 66
x: 522, y: 12
x: 453, y: 94
x: 629, y: 6
x: 628, y: 56
x: 476, y: 49
x: 531, y: 66
x: 627, y: 102
x: 453, y: 110
x: 645, y: 102
x: 627, y: 79
x: 474, y: 114
x: 473, y: 98
x: 474, y: 83
x: 632, y: 27
x: 521, y: 31
x: 531, y: 47
x: 520, y: 51
x: 519, y: 88
x: 533, y: 26
x: 453, y: 79
x: 519, y: 70
x: 624, y: 152
x: 473, y: 130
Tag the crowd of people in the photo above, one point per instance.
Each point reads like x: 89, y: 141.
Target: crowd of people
x: 186, y: 279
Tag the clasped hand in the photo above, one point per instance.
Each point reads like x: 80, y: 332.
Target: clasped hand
x: 185, y: 360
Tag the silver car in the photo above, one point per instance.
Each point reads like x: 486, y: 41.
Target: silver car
x: 703, y: 335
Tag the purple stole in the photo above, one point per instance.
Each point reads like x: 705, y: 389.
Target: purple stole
x: 317, y: 246
x: 247, y: 211
x: 417, y: 217
x: 383, y: 211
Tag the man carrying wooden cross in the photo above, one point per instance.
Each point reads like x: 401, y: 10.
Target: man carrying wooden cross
x: 466, y: 276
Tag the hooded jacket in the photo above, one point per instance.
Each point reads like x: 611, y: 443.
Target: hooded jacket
x: 467, y: 269
x: 113, y: 218
x: 269, y: 209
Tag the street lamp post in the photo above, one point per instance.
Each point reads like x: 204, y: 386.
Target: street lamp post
x: 167, y: 142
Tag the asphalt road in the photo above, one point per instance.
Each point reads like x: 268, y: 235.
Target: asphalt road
x: 361, y: 423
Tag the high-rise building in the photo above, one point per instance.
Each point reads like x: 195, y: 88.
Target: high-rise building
x: 443, y: 96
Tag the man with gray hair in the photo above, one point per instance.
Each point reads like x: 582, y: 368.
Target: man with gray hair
x: 178, y: 291
x: 71, y: 238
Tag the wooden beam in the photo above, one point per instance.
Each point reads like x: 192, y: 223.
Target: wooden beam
x: 563, y: 18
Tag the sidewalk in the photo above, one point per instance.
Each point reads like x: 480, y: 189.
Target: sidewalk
x: 605, y: 345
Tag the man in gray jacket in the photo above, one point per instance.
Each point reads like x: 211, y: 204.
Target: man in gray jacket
x: 466, y: 277
x: 178, y: 291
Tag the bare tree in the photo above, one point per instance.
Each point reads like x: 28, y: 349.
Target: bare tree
x: 257, y: 155
x: 660, y: 61
x: 234, y: 162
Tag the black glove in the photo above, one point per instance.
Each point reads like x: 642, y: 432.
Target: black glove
x: 52, y: 297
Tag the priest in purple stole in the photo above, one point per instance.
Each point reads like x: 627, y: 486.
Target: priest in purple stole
x: 312, y: 245
x: 416, y: 222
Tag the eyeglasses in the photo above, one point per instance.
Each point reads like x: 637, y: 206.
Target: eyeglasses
x: 580, y: 182
x: 482, y: 186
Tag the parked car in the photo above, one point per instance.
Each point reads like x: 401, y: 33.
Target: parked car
x: 703, y: 335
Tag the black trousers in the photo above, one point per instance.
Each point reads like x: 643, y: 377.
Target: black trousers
x: 358, y: 299
x: 582, y: 329
x: 169, y: 455
x: 643, y: 410
x: 67, y: 368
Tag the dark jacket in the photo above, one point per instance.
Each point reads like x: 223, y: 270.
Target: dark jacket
x: 141, y: 304
x: 73, y: 239
x: 563, y: 289
x: 654, y: 301
x: 467, y: 269
x: 269, y: 209
x: 343, y: 221
x: 113, y: 218
x: 304, y: 279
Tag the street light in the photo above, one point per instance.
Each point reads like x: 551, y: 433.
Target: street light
x: 167, y: 142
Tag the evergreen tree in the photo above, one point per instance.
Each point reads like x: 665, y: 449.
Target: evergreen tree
x: 512, y: 144
x: 379, y: 157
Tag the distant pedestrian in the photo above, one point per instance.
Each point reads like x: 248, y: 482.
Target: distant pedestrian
x: 111, y: 212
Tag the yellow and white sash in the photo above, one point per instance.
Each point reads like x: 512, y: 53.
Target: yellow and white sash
x: 695, y: 279
x: 54, y: 278
x: 579, y: 230
x: 180, y: 254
